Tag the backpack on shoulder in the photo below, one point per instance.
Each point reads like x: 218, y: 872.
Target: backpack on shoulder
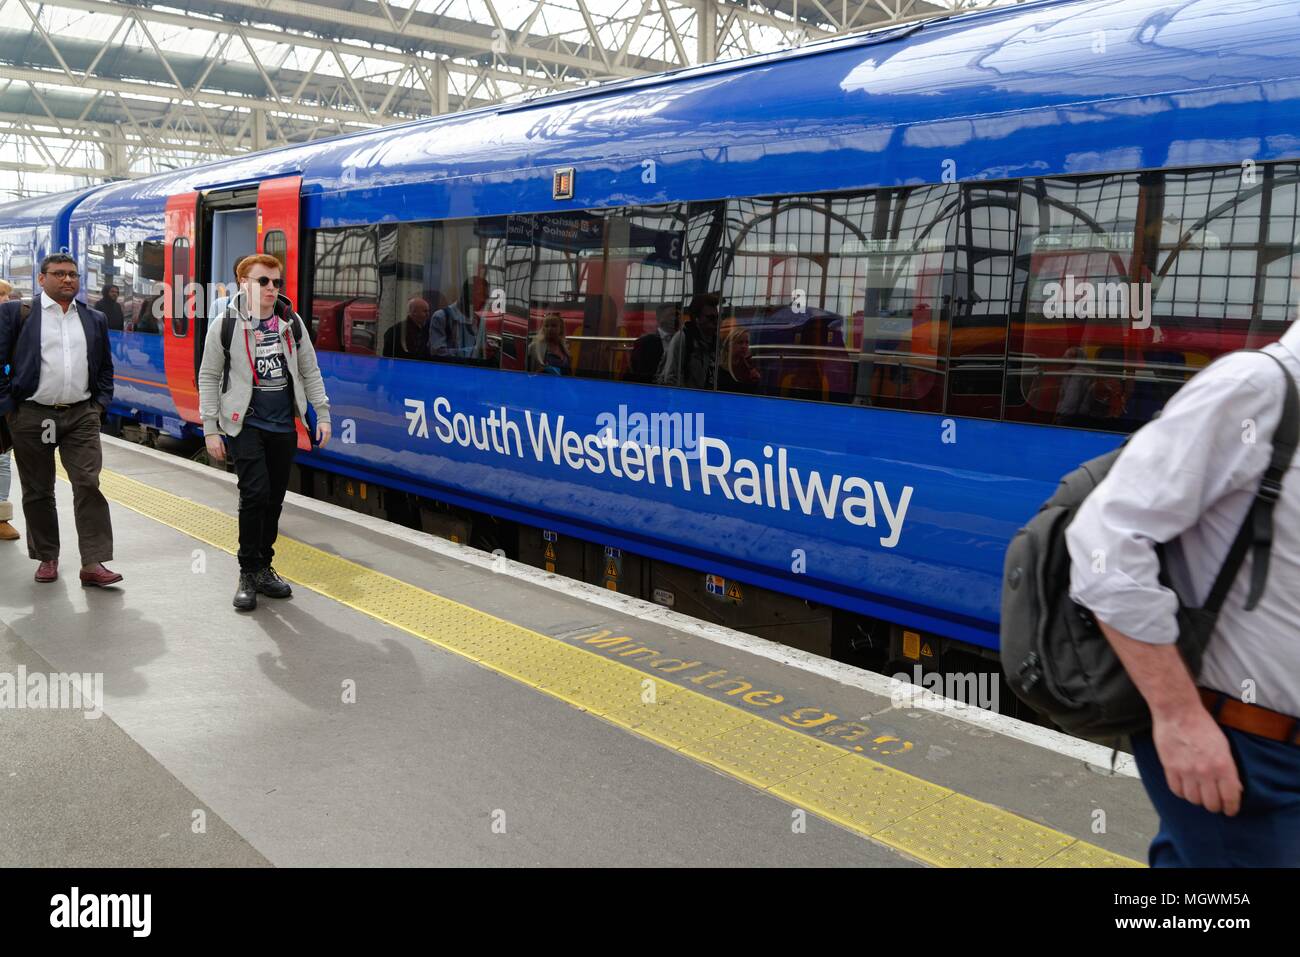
x: 1054, y: 655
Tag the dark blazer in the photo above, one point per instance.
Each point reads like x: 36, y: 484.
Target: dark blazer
x: 20, y: 354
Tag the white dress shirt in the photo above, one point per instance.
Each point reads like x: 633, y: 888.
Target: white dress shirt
x: 65, y: 369
x: 1191, y: 475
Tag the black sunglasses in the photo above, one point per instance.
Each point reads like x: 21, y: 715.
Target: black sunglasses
x: 263, y: 280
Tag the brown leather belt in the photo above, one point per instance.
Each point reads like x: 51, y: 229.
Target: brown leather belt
x: 60, y: 407
x: 1251, y: 718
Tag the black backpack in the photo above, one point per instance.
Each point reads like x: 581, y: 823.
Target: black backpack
x: 228, y: 321
x: 1054, y: 655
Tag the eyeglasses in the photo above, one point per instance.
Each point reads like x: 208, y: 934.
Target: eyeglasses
x: 62, y: 275
x: 263, y: 280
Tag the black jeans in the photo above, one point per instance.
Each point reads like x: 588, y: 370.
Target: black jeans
x: 262, y: 460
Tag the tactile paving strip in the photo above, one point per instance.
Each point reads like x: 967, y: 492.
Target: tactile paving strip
x: 928, y: 822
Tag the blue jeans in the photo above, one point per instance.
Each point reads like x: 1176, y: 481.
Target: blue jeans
x: 6, y: 476
x: 1265, y: 832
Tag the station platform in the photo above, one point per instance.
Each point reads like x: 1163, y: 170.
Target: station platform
x: 417, y: 702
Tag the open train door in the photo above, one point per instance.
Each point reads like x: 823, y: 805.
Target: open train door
x: 178, y: 302
x: 279, y: 205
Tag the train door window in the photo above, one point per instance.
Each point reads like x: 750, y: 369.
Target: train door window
x: 840, y: 298
x: 345, y: 289
x: 180, y: 286
x: 232, y: 237
x: 276, y: 244
x: 1084, y: 258
x: 983, y: 276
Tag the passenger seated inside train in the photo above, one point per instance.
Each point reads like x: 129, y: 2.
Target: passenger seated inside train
x: 409, y: 339
x: 456, y: 330
x: 736, y: 369
x: 549, y: 350
x: 648, y: 350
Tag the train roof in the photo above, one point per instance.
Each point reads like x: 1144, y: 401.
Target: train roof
x: 1054, y: 87
x: 39, y: 210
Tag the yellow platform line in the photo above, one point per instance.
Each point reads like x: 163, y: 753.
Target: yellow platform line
x: 931, y: 823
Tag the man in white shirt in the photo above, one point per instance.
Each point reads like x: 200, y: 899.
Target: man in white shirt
x: 55, y: 394
x: 1222, y: 761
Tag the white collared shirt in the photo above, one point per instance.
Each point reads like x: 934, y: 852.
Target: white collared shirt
x: 1191, y: 475
x: 65, y: 369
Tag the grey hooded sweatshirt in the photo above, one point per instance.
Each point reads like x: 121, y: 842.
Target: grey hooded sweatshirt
x: 224, y: 412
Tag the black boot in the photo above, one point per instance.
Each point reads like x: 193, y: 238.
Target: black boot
x: 246, y: 594
x: 272, y: 585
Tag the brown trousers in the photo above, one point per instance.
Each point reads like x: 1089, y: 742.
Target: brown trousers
x: 38, y: 430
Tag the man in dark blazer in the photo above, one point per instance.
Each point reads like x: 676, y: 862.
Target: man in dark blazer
x: 54, y: 395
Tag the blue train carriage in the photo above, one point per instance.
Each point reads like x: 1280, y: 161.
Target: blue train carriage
x: 948, y: 262
x: 31, y: 229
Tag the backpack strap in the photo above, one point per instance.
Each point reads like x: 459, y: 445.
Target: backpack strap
x: 1256, y: 534
x: 227, y: 337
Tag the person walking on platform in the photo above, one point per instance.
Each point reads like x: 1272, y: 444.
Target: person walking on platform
x: 55, y: 394
x: 259, y: 369
x: 7, y: 532
x: 1221, y: 762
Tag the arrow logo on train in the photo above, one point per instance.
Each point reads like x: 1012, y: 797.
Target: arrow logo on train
x: 416, y: 417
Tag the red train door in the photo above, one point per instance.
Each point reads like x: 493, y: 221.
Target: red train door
x: 178, y: 303
x: 279, y: 202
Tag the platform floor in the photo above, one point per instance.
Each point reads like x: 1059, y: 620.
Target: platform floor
x: 417, y: 703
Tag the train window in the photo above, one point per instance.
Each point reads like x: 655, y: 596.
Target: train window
x: 984, y: 263
x: 840, y: 298
x: 180, y: 283
x: 145, y: 312
x: 1226, y: 266
x: 123, y: 281
x: 605, y: 288
x: 345, y: 289
x: 1278, y: 281
x: 448, y: 301
x: 1075, y: 345
x: 16, y: 262
x: 1134, y: 283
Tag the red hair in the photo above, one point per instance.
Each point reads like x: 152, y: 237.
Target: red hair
x: 245, y: 265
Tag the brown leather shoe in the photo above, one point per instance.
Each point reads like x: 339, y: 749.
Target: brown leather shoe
x: 8, y: 533
x: 48, y: 571
x: 100, y: 577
